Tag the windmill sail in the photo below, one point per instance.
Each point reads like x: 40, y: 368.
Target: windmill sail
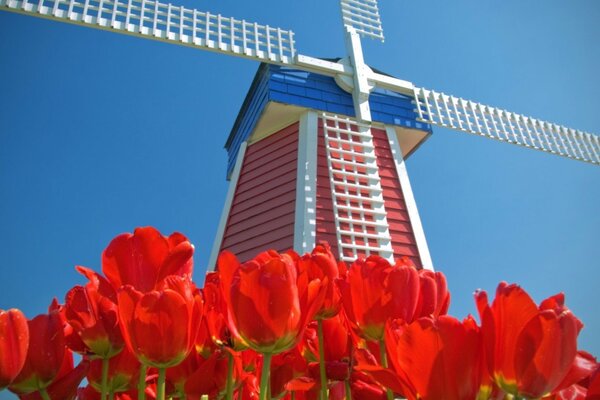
x: 166, y: 22
x: 470, y: 117
x: 363, y: 16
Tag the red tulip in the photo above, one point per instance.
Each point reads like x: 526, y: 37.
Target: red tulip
x: 123, y: 373
x: 45, y: 355
x: 285, y: 367
x: 364, y: 388
x: 160, y: 326
x: 320, y: 265
x: 66, y: 382
x: 210, y: 375
x: 375, y: 291
x: 529, y: 350
x: 216, y: 314
x: 266, y: 306
x: 593, y: 392
x: 92, y: 312
x: 144, y: 258
x: 336, y: 338
x: 434, y: 298
x: 14, y: 341
x: 437, y: 359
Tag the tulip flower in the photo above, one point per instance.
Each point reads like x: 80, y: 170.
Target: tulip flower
x: 267, y: 307
x: 160, y: 327
x: 321, y: 264
x: 64, y: 386
x: 593, y: 390
x: 529, y: 350
x: 376, y: 291
x: 208, y: 376
x: 143, y: 259
x: 285, y: 367
x: 45, y: 355
x: 92, y: 312
x: 431, y: 359
x: 14, y: 341
x: 434, y: 298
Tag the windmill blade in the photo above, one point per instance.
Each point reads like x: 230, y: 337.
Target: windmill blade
x: 363, y: 16
x: 166, y: 22
x: 470, y: 117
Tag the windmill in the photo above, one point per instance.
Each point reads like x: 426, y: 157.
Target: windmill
x: 353, y: 210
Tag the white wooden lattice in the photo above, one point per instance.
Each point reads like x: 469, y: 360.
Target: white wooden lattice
x: 154, y: 20
x: 467, y: 116
x: 363, y: 15
x: 357, y: 196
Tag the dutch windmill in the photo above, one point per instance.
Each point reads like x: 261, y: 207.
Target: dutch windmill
x: 338, y: 131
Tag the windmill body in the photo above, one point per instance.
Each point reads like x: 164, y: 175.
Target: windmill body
x: 302, y: 171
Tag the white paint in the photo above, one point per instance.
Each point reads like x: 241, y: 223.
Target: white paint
x: 360, y: 94
x: 478, y: 119
x: 359, y: 173
x: 305, y: 224
x: 409, y: 199
x: 235, y: 175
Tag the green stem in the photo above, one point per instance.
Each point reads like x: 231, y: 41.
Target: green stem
x: 264, y: 377
x: 104, y: 381
x: 322, y: 360
x: 111, y: 395
x: 384, y: 364
x: 229, y: 392
x: 160, y: 386
x: 348, y: 389
x: 142, y: 383
x: 44, y: 394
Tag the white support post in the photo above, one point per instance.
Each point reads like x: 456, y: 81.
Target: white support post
x: 305, y: 223
x: 409, y: 199
x: 360, y: 93
x: 237, y: 169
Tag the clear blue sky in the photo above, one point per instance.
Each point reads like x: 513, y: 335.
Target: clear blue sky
x: 100, y: 133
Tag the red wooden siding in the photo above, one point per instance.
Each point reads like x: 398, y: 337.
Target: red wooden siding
x: 262, y: 211
x: 403, y: 238
x: 325, y: 230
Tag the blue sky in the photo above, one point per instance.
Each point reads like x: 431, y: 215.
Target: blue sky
x: 100, y: 133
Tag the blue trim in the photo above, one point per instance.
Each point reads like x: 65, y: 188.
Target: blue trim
x: 310, y: 90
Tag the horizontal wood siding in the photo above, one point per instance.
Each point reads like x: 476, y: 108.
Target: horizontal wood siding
x: 325, y: 230
x: 262, y: 211
x: 403, y: 238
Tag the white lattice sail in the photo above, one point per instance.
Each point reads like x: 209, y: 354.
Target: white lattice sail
x: 475, y: 118
x: 363, y: 16
x: 167, y: 22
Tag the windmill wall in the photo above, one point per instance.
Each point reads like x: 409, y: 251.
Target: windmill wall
x: 262, y: 211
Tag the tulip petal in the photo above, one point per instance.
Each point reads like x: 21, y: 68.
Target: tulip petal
x: 45, y: 354
x: 14, y: 341
x: 546, y: 349
x: 160, y: 328
x: 135, y: 259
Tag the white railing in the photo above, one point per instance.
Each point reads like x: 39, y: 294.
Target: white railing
x: 470, y: 117
x: 357, y: 196
x: 168, y: 22
x: 363, y: 15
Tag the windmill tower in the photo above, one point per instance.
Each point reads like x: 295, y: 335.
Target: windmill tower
x: 341, y: 122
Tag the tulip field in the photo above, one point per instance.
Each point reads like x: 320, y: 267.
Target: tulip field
x: 286, y: 326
